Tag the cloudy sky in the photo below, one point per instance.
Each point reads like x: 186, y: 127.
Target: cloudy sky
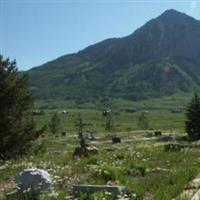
x: 36, y: 31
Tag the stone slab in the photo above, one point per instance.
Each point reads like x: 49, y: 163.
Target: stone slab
x: 89, y: 189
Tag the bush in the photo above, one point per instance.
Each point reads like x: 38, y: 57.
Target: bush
x: 192, y: 123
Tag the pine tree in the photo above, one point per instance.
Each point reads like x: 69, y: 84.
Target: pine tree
x: 143, y: 121
x: 17, y: 128
x: 192, y: 123
x: 109, y: 126
x: 79, y: 126
x: 54, y: 124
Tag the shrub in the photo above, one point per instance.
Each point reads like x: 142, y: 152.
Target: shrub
x: 192, y: 123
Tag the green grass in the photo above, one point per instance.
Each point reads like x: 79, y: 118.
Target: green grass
x: 142, y: 166
x: 95, y: 122
x: 158, y: 111
x: 162, y: 174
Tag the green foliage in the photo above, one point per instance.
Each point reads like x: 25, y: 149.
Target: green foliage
x: 17, y: 128
x: 143, y: 121
x: 105, y: 173
x: 54, y: 124
x: 109, y: 126
x: 79, y: 125
x: 192, y: 122
x: 87, y: 83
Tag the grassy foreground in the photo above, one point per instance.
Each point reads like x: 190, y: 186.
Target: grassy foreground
x: 142, y: 166
x: 139, y: 162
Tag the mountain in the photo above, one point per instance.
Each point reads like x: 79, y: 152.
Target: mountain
x: 160, y: 58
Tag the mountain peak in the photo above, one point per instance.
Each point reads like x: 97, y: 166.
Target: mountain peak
x: 174, y: 14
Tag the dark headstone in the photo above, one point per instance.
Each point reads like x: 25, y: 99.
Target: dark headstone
x: 116, y: 140
x: 63, y: 133
x: 157, y: 133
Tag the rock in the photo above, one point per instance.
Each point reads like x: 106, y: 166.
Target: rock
x: 116, y: 140
x: 84, y: 152
x: 196, y: 195
x: 34, y: 179
x: 92, y: 150
x: 89, y: 189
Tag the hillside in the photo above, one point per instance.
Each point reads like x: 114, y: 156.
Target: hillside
x: 160, y: 58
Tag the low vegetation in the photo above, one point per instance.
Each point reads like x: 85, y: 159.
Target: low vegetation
x: 142, y: 166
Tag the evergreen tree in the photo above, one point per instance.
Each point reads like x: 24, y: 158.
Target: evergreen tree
x: 109, y: 125
x: 79, y: 126
x: 17, y: 128
x: 54, y: 124
x: 143, y: 121
x: 192, y: 123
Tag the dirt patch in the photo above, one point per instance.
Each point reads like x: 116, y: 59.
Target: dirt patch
x: 191, y: 188
x: 6, y: 186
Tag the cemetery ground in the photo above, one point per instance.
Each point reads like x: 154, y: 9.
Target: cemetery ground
x: 140, y: 162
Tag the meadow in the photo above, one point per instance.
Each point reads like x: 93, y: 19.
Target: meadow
x: 140, y: 162
x: 158, y: 111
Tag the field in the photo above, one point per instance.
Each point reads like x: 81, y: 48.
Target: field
x: 158, y: 111
x: 140, y: 162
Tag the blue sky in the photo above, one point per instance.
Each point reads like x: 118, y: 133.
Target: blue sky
x: 37, y: 31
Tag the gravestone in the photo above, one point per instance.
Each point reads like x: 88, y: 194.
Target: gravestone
x: 89, y: 189
x: 116, y: 140
x: 157, y: 133
x: 34, y: 179
x: 63, y: 133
